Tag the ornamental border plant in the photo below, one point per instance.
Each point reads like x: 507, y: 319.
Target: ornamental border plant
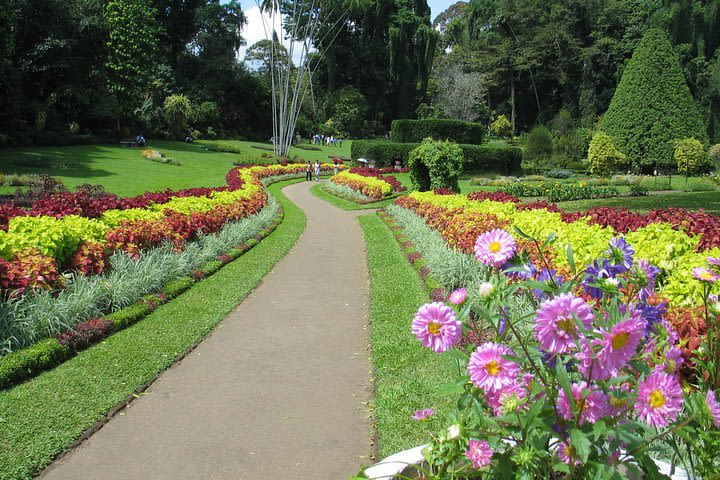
x: 585, y: 386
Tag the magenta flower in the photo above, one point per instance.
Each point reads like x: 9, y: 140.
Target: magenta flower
x: 436, y: 327
x: 495, y: 247
x: 567, y: 454
x: 591, y: 408
x: 673, y: 360
x: 508, y: 395
x: 423, y: 414
x: 713, y: 407
x: 705, y: 275
x: 458, y: 296
x: 488, y: 369
x: 555, y: 326
x: 659, y: 399
x: 479, y: 453
x: 622, y: 341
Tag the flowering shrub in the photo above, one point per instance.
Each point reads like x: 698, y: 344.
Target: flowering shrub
x: 371, y: 186
x: 585, y: 385
x: 560, y: 192
x: 380, y: 174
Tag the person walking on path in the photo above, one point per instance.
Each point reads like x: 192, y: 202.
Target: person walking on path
x: 308, y: 171
x: 317, y: 171
x: 335, y: 166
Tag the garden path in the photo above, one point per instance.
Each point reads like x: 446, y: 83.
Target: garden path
x: 277, y: 391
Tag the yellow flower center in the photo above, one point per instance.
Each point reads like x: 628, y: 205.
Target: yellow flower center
x: 616, y: 402
x: 494, y: 247
x: 706, y: 276
x: 434, y: 328
x: 580, y: 405
x: 566, y: 325
x: 492, y: 368
x: 620, y: 340
x: 657, y: 399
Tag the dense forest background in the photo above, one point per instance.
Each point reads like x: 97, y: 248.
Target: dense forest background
x: 73, y: 68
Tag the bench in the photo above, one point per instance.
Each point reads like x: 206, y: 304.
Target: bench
x: 129, y: 144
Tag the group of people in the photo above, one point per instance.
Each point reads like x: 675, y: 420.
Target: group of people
x: 329, y: 140
x: 309, y: 168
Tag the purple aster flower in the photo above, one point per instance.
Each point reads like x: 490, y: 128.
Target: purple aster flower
x: 423, y: 414
x: 705, y: 275
x: 488, y: 368
x: 620, y: 344
x: 659, y: 399
x: 714, y: 261
x: 591, y: 403
x: 645, y: 275
x: 495, y: 247
x: 620, y: 254
x: 457, y: 297
x: 550, y: 278
x: 595, y: 275
x: 652, y: 314
x: 526, y: 270
x: 436, y: 327
x: 555, y: 327
x: 567, y: 454
x: 479, y: 453
x: 713, y: 407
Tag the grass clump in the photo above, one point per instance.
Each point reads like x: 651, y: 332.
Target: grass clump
x: 406, y: 375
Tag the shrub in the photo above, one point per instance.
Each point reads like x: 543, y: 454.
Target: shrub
x: 458, y: 131
x: 558, y: 174
x: 26, y: 363
x: 538, y: 145
x: 478, y: 158
x: 85, y: 334
x: 603, y: 156
x: 436, y: 164
x: 652, y: 106
x: 175, y: 287
x: 176, y: 109
x: 501, y: 127
x: 689, y: 154
x: 714, y: 156
x: 129, y: 315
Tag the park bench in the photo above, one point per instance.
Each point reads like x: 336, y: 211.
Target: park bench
x: 129, y: 143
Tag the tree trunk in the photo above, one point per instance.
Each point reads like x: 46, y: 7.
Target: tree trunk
x: 512, y: 103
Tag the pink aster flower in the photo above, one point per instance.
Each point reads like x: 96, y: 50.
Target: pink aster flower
x: 705, y: 275
x: 555, y: 326
x: 673, y: 360
x: 659, y: 399
x: 713, y: 407
x: 591, y: 408
x: 495, y: 247
x: 622, y: 341
x: 479, y: 453
x: 436, y: 327
x: 714, y: 261
x: 567, y: 454
x: 501, y: 400
x: 488, y: 369
x: 589, y: 363
x: 423, y: 414
x: 458, y: 296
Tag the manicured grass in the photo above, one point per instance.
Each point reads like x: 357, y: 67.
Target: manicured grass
x: 343, y: 204
x: 125, y: 172
x: 710, y: 201
x: 312, y: 155
x: 407, y: 376
x: 44, y: 416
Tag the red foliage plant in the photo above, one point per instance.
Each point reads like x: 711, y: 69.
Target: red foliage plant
x: 27, y: 272
x: 493, y: 196
x: 89, y: 259
x: 85, y: 334
x: 374, y: 172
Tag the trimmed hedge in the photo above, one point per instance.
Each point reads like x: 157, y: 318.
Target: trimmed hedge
x: 27, y: 363
x: 480, y: 158
x: 458, y: 131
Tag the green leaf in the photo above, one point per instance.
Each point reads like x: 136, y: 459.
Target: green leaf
x: 581, y: 443
x: 561, y: 467
x: 571, y: 258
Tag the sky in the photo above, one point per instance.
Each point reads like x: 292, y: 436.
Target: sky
x: 253, y: 31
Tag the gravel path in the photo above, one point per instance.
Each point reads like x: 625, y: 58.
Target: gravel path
x: 277, y: 391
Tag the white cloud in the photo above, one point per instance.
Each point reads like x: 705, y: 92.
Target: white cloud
x: 259, y: 27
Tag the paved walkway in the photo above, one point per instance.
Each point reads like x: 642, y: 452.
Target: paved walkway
x: 277, y: 391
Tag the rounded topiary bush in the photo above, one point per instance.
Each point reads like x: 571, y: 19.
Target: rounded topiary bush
x: 652, y: 106
x: 604, y: 158
x: 689, y: 155
x: 435, y: 164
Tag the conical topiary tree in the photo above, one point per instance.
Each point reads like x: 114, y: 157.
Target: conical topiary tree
x: 652, y: 108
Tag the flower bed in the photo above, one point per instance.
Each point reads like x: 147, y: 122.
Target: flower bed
x: 585, y: 385
x: 369, y: 181
x: 560, y: 192
x: 77, y: 231
x: 675, y: 240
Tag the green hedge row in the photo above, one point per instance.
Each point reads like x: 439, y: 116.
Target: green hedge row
x: 480, y: 158
x: 458, y: 131
x: 27, y: 363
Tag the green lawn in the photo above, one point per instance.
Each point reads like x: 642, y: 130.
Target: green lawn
x: 407, y: 376
x: 312, y: 155
x: 44, y: 416
x: 125, y: 172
